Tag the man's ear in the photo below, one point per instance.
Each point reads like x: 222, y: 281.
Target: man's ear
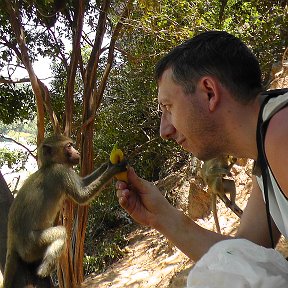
x: 210, y: 87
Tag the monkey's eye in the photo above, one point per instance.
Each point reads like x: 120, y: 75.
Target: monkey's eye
x: 69, y: 145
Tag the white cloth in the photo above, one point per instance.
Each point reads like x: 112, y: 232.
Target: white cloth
x: 278, y: 203
x: 239, y: 263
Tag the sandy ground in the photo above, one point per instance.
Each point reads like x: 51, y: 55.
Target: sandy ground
x: 151, y: 261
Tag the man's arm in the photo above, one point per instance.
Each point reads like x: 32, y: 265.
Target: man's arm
x: 276, y: 143
x: 193, y: 240
x: 253, y: 224
x: 146, y: 205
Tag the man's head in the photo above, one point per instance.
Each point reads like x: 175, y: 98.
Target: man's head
x: 204, y: 88
x: 218, y: 54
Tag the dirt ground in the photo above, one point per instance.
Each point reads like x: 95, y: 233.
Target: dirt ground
x: 152, y: 262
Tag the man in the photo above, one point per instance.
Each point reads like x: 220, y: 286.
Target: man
x: 208, y: 91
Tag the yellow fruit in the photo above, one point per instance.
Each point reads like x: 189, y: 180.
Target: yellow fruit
x: 117, y: 156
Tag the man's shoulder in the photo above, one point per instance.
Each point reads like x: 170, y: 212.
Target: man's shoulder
x: 273, y: 103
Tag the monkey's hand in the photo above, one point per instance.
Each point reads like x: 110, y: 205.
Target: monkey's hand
x: 105, y: 172
x: 117, y: 168
x: 117, y: 156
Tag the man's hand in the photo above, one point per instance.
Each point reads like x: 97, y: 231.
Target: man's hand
x: 142, y: 200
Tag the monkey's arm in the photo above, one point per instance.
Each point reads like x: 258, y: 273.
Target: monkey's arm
x: 218, y: 171
x: 95, y: 174
x: 91, y: 186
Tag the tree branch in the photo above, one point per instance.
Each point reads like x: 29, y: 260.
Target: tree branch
x: 76, y: 53
x: 90, y: 74
x: 110, y: 58
x: 19, y: 144
x: 10, y: 81
x: 40, y: 90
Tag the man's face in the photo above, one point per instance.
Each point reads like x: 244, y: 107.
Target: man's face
x: 185, y: 118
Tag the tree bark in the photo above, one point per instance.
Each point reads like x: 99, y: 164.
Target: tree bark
x: 6, y: 199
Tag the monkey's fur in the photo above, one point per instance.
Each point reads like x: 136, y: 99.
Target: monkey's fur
x: 31, y: 235
x: 213, y: 172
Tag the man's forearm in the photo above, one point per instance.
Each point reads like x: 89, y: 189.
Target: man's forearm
x: 190, y: 238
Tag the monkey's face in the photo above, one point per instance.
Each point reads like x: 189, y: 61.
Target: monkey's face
x: 73, y: 156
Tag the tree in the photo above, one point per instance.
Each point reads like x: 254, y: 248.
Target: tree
x: 31, y: 28
x: 6, y: 199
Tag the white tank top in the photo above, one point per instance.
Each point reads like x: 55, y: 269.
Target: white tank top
x: 278, y: 202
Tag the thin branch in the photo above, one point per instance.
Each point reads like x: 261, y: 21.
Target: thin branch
x: 10, y: 81
x: 15, y: 21
x: 73, y: 65
x: 40, y: 90
x: 90, y: 74
x: 19, y: 144
x: 110, y: 58
x: 62, y: 58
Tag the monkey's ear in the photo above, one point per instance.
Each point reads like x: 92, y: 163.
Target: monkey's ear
x: 47, y: 150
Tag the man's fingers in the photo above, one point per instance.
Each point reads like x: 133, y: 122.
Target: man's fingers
x: 123, y: 196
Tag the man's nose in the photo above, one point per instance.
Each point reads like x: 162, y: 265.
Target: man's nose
x: 166, y: 128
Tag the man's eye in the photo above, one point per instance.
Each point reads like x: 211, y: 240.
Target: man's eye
x: 164, y: 107
x: 168, y: 108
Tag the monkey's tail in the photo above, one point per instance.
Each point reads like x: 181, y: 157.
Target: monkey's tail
x: 11, y: 265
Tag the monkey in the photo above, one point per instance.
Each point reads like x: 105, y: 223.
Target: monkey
x: 213, y: 172
x: 32, y: 235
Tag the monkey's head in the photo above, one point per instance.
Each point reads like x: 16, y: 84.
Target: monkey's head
x: 58, y: 149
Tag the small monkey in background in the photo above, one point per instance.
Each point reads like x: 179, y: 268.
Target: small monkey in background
x: 213, y: 172
x: 31, y: 235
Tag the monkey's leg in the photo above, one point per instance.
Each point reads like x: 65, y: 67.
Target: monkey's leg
x: 55, y: 240
x: 229, y: 187
x: 214, y: 210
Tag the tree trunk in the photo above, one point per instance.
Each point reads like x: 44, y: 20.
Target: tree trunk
x: 6, y: 199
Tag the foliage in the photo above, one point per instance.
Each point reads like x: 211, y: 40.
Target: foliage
x: 106, y: 230
x: 19, y: 103
x: 26, y: 129
x: 108, y: 252
x: 262, y: 25
x: 13, y: 159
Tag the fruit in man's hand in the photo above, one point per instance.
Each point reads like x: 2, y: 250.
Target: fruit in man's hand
x: 117, y: 156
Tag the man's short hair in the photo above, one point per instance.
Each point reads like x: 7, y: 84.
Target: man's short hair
x: 214, y: 53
